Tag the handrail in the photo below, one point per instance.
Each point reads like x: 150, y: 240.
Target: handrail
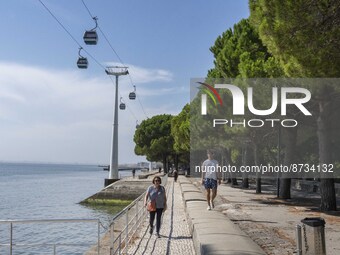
x: 54, y: 245
x: 132, y: 204
x: 120, y: 242
x: 128, y: 207
x: 117, y: 244
x: 22, y: 221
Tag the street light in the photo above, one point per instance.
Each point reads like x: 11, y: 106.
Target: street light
x: 113, y: 174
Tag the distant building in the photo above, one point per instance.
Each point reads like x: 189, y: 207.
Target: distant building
x: 154, y: 165
x: 143, y: 164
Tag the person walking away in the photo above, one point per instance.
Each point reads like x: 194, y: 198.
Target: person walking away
x: 210, y: 176
x: 175, y: 175
x: 133, y: 173
x: 156, y: 194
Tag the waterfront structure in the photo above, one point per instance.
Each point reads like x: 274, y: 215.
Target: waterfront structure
x: 113, y: 174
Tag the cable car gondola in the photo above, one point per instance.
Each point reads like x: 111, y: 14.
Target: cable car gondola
x: 82, y: 62
x: 90, y: 36
x: 122, y: 106
x: 132, y: 95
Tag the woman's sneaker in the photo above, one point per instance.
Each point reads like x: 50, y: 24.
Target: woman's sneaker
x: 209, y: 208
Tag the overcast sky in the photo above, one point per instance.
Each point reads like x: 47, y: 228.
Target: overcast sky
x: 51, y: 111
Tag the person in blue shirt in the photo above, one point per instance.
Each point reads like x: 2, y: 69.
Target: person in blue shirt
x: 210, y: 176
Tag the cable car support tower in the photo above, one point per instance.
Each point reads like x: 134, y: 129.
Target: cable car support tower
x: 113, y: 174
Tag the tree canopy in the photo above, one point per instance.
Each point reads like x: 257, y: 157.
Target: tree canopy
x: 239, y: 52
x: 153, y: 138
x: 180, y: 130
x: 303, y: 35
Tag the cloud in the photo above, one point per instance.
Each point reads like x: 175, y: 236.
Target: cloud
x: 66, y: 116
x: 147, y: 92
x: 10, y: 96
x: 36, y: 92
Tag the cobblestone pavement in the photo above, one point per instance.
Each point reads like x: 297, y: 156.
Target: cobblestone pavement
x: 175, y: 236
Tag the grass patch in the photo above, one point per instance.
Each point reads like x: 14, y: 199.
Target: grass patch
x: 110, y: 206
x: 106, y: 202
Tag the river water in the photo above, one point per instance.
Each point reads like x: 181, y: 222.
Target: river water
x: 50, y: 191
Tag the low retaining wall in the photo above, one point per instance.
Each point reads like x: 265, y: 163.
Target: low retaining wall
x: 124, y: 189
x: 213, y: 232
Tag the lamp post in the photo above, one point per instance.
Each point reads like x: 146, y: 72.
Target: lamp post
x: 113, y: 173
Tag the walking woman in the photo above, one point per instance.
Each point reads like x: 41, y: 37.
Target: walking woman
x: 156, y: 196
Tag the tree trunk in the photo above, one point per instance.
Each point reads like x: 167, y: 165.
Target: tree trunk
x: 290, y: 150
x: 258, y: 174
x: 222, y: 163
x: 232, y: 176
x: 176, y: 161
x: 165, y: 167
x: 285, y: 184
x: 327, y: 190
x: 245, y: 179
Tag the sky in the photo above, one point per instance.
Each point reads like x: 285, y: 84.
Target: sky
x: 51, y: 111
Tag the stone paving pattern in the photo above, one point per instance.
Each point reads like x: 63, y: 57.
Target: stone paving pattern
x: 268, y: 221
x: 175, y: 235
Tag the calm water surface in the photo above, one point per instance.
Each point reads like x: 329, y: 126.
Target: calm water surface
x: 50, y: 191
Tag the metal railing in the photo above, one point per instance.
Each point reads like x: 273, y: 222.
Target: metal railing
x: 12, y: 244
x: 133, y: 216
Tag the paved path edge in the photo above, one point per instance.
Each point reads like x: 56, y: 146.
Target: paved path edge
x: 213, y: 232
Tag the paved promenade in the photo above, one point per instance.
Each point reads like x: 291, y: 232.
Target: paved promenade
x: 242, y: 222
x: 175, y: 235
x: 188, y: 228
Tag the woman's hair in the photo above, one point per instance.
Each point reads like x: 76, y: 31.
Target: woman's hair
x: 156, y: 177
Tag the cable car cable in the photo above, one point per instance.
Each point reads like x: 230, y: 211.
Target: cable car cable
x: 88, y: 10
x: 80, y: 47
x: 132, y: 113
x: 115, y: 52
x: 74, y: 39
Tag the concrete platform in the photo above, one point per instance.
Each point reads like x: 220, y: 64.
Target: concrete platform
x: 128, y: 188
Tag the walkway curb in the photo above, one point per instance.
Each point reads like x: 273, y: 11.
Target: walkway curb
x: 212, y: 232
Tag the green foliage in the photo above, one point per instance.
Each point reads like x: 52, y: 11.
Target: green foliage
x: 153, y: 138
x: 180, y: 130
x: 304, y: 35
x: 241, y: 53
